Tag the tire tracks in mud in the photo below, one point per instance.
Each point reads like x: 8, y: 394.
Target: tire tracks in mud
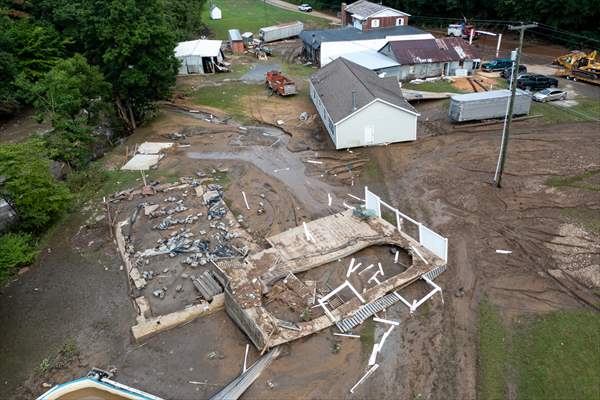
x: 521, y: 217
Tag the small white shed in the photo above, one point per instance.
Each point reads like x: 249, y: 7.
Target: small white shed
x: 360, y: 109
x: 215, y: 12
x: 199, y: 56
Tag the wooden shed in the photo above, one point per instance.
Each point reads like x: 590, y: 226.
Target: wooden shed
x: 237, y: 43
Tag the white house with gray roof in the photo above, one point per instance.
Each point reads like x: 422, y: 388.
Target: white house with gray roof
x: 360, y: 109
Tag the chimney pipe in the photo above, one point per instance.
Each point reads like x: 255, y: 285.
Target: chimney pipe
x: 353, y: 100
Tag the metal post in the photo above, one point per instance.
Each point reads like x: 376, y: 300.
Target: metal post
x: 498, y: 45
x: 513, y: 90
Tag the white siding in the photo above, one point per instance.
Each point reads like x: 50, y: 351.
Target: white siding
x: 327, y: 122
x: 387, y: 13
x: 387, y: 123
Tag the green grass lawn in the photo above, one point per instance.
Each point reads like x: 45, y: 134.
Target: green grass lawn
x: 557, y: 356
x: 586, y: 110
x: 550, y: 356
x: 435, y: 86
x: 251, y: 15
x: 228, y: 97
x: 492, y: 358
x: 297, y: 71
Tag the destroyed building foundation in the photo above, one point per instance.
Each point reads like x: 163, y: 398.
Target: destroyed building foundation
x: 316, y: 243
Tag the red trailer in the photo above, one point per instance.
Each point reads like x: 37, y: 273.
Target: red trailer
x: 280, y: 84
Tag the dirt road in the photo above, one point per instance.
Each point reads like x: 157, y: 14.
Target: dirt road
x: 294, y: 7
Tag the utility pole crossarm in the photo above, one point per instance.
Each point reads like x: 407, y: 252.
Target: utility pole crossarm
x: 513, y: 90
x: 522, y: 27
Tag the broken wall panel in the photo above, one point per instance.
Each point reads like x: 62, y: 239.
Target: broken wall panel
x: 338, y: 235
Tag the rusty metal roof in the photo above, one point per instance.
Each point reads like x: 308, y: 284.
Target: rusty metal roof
x: 409, y: 52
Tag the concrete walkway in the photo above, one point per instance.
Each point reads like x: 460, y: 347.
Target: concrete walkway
x: 294, y: 7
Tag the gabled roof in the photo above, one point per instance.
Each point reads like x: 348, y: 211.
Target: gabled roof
x: 409, y: 52
x: 336, y: 82
x: 316, y: 37
x: 201, y: 48
x: 365, y: 8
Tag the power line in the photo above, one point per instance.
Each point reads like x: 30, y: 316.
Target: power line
x: 509, y: 22
x: 569, y: 33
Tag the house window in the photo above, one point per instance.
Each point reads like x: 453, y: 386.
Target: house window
x: 374, y: 23
x: 399, y: 21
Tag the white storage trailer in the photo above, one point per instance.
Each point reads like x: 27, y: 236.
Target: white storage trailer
x: 487, y: 105
x: 281, y: 31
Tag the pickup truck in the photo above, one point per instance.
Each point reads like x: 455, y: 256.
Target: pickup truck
x: 497, y: 65
x: 536, y: 82
x: 507, y: 72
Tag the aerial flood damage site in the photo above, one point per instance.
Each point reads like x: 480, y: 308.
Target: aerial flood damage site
x: 258, y: 200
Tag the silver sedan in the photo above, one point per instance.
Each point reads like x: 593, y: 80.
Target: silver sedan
x: 550, y: 94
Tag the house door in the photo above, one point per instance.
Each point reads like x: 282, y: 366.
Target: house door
x: 369, y: 135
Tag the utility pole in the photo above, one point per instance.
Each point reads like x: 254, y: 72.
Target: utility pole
x: 513, y: 90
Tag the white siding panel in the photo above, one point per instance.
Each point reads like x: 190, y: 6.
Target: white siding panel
x: 387, y: 13
x: 388, y: 123
x: 325, y: 118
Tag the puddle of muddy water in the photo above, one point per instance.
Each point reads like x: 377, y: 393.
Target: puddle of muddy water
x: 277, y: 161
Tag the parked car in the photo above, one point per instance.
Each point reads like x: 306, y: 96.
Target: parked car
x: 550, y: 95
x: 536, y: 82
x: 506, y: 72
x: 497, y: 65
x: 305, y: 7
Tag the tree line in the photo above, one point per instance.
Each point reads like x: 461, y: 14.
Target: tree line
x: 581, y: 17
x: 87, y: 67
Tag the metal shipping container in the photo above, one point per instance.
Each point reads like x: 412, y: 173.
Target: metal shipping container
x: 486, y: 105
x: 281, y: 31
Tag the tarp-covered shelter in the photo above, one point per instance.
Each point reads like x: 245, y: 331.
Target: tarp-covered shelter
x: 199, y: 56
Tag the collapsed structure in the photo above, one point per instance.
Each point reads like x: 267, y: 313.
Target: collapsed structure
x: 200, y: 57
x: 219, y: 265
x: 319, y: 242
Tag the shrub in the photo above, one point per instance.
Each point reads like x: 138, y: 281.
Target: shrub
x: 16, y: 250
x: 37, y: 197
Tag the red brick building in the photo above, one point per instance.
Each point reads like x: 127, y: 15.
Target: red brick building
x: 365, y: 16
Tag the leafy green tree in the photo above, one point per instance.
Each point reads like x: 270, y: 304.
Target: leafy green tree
x: 185, y: 18
x: 71, y: 142
x: 8, y: 70
x: 29, y: 186
x: 131, y: 41
x: 36, y: 47
x: 70, y: 88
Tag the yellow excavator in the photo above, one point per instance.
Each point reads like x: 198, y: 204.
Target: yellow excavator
x: 579, y: 66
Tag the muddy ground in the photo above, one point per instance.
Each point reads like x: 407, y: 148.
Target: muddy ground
x: 76, y: 293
